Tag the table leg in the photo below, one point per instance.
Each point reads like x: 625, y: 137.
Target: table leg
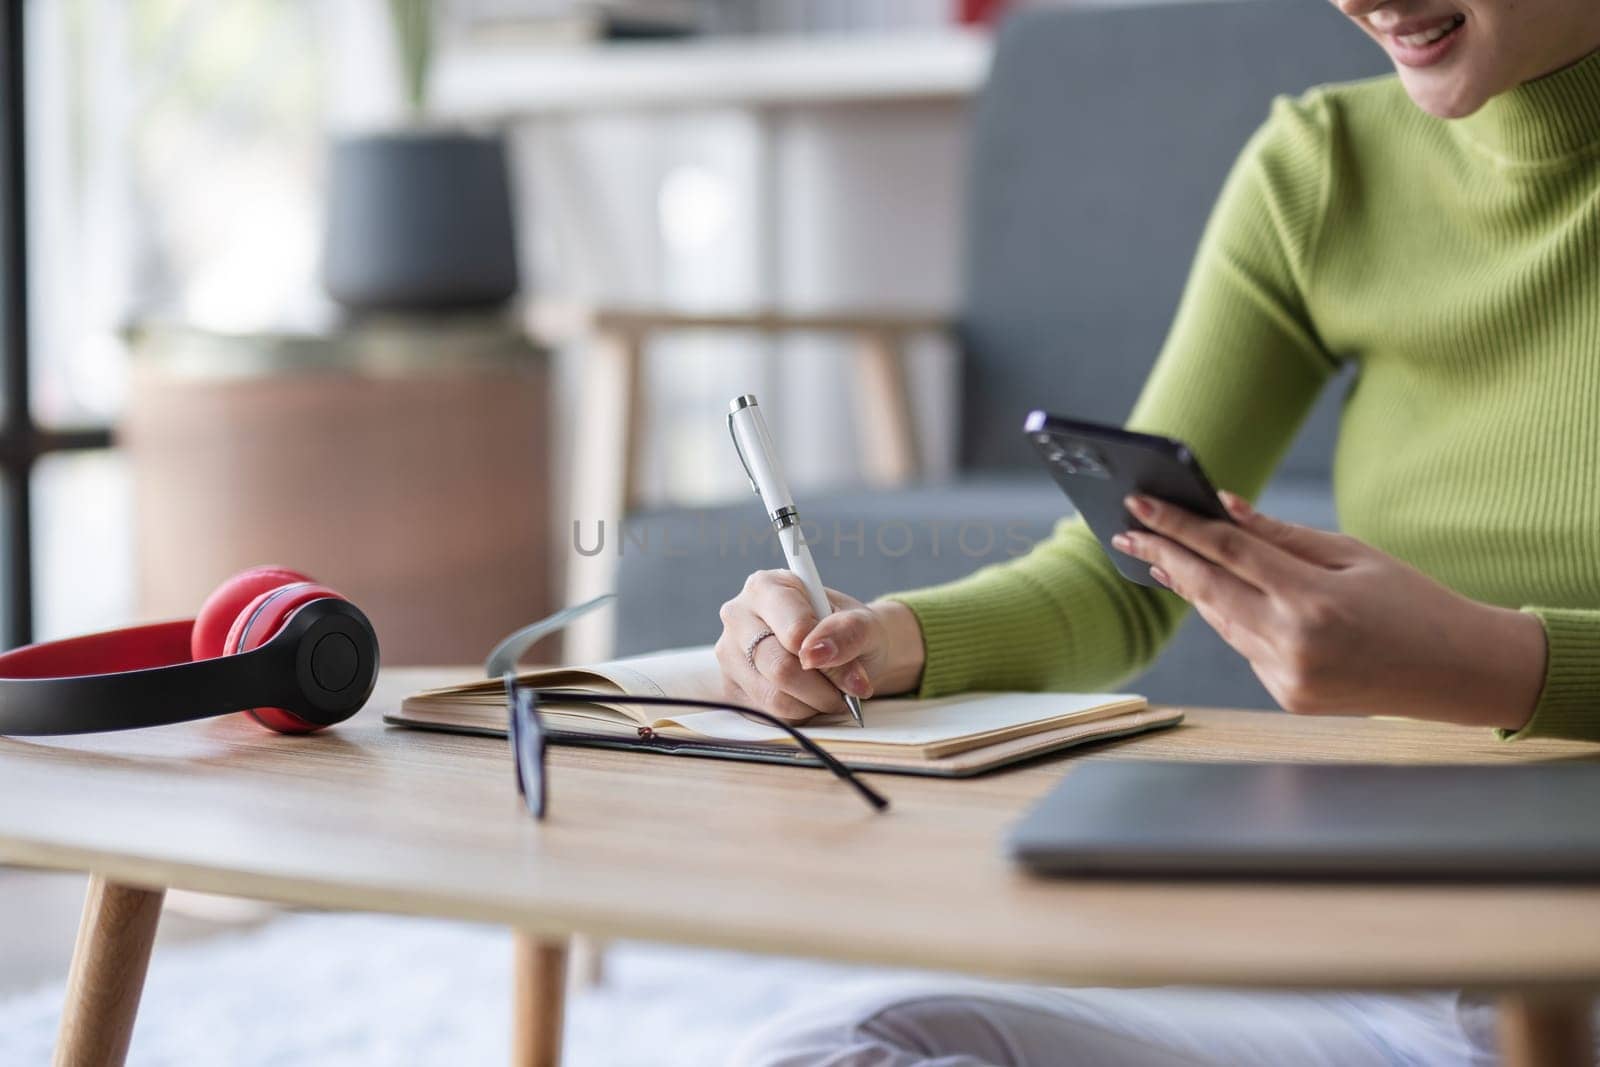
x: 1546, y: 1031
x: 108, y: 967
x: 540, y: 985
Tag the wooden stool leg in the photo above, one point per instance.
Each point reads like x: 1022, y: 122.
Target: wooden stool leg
x: 587, y: 962
x: 540, y: 984
x: 605, y: 481
x: 1546, y: 1032
x: 883, y: 410
x: 107, y: 975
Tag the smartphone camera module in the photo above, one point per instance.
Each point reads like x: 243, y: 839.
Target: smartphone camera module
x: 1080, y: 457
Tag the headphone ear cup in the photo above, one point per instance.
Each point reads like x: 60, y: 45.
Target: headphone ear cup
x: 259, y: 622
x: 228, y: 600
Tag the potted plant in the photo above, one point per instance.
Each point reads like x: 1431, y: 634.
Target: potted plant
x: 419, y: 217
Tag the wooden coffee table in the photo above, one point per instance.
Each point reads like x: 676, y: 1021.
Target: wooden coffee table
x: 374, y: 818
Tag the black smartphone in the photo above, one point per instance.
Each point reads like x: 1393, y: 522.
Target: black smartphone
x: 1099, y: 466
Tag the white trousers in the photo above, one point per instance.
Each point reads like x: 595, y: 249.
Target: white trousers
x: 950, y: 1023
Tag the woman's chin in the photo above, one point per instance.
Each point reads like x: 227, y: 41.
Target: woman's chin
x: 1442, y: 95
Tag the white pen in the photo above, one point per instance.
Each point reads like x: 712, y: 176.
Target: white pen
x: 754, y: 445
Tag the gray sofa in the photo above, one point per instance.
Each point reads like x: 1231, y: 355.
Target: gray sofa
x: 1099, y: 144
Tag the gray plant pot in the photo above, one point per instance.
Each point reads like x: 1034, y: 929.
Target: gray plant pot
x: 419, y: 220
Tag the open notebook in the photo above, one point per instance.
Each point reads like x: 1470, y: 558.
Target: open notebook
x: 953, y: 736
x: 949, y: 736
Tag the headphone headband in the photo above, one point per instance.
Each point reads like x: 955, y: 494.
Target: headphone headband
x: 136, y: 648
x: 321, y: 666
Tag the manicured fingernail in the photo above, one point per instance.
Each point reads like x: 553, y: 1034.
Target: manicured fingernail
x: 1234, y: 504
x: 1161, y: 576
x: 818, y: 652
x: 1122, y: 543
x: 856, y: 684
x: 1141, y: 506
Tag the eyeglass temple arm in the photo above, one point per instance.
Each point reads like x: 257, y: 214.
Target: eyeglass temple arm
x: 510, y: 649
x: 878, y: 801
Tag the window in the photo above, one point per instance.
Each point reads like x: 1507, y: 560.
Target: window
x: 22, y: 441
x: 159, y: 162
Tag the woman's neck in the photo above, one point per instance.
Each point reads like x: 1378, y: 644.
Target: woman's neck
x: 1545, y: 119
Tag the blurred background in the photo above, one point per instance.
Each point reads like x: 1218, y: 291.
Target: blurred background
x: 231, y: 358
x: 424, y: 298
x: 796, y: 154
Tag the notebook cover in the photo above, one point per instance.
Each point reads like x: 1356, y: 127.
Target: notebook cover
x: 960, y: 765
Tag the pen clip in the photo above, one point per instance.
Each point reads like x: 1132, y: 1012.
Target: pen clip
x: 742, y: 461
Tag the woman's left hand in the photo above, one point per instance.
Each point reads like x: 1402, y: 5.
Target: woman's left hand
x: 1332, y: 626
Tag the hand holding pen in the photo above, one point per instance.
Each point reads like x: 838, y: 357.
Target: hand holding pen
x: 799, y: 665
x: 753, y: 442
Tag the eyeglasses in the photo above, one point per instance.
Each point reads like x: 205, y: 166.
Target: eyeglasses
x: 528, y: 736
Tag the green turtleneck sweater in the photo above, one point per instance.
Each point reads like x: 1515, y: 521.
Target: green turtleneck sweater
x: 1457, y: 265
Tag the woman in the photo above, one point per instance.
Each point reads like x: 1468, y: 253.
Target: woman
x: 1449, y: 245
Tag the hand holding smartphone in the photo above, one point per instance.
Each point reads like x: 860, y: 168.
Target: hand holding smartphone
x: 1100, y: 466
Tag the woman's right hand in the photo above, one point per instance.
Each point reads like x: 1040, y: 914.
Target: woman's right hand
x: 863, y: 649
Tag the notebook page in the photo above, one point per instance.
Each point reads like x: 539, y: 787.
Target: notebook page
x: 678, y: 672
x: 905, y: 722
x: 682, y: 672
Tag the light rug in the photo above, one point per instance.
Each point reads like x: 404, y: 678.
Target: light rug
x: 317, y: 990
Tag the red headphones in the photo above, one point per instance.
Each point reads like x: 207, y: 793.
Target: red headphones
x: 294, y: 655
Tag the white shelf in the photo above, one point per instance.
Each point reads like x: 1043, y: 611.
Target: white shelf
x: 506, y: 83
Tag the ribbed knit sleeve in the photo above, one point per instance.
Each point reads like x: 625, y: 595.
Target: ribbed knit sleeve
x: 1235, y: 378
x: 1569, y: 704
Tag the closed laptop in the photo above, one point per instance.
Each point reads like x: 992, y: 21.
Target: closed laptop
x: 1324, y: 820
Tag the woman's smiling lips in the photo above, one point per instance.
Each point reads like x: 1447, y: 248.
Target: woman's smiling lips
x: 1418, y: 42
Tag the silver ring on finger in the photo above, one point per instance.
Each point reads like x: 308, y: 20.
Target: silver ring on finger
x: 750, y: 649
